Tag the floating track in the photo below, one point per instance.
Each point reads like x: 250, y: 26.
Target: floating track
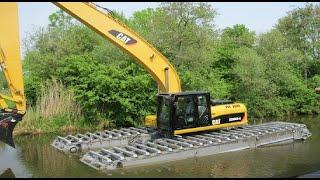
x: 195, y: 145
x: 103, y: 139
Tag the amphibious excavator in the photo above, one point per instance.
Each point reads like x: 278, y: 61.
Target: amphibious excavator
x: 177, y: 112
x: 182, y: 127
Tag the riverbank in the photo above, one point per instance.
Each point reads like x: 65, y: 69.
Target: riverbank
x: 54, y: 125
x: 21, y: 131
x: 56, y: 111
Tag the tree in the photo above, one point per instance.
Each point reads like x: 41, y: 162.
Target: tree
x: 253, y: 86
x: 123, y: 94
x: 182, y: 31
x: 232, y: 38
x: 301, y: 28
x: 185, y: 34
x: 60, y: 19
x: 238, y: 36
x: 283, y: 68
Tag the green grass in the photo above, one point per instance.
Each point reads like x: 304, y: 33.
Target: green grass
x: 55, y: 111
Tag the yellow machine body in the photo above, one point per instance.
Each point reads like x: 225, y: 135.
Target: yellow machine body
x: 216, y: 112
x: 10, y: 60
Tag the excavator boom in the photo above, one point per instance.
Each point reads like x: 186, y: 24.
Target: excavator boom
x: 10, y: 60
x: 119, y: 34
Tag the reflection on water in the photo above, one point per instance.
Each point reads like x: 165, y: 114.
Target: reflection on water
x: 44, y: 161
x: 35, y: 157
x: 12, y: 158
x: 7, y: 174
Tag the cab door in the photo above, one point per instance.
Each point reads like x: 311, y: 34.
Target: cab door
x: 185, y: 112
x: 164, y: 115
x: 204, y: 110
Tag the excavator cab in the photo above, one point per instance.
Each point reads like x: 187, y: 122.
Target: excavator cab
x: 183, y: 110
x: 190, y: 112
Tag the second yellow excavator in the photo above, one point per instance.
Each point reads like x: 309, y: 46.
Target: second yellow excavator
x: 177, y: 112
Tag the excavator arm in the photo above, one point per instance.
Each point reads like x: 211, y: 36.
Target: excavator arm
x: 119, y: 34
x: 10, y: 60
x: 11, y: 67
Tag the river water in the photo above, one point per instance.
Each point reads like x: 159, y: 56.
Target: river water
x: 35, y: 157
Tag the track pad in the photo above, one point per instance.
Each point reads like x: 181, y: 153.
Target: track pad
x: 6, y: 128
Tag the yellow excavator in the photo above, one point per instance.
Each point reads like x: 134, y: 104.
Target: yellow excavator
x: 177, y: 112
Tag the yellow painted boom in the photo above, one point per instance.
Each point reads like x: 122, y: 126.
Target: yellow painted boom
x: 10, y: 56
x: 119, y: 34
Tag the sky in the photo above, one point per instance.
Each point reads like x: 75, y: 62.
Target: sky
x: 257, y: 16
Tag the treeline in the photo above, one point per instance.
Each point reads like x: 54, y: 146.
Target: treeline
x: 273, y: 73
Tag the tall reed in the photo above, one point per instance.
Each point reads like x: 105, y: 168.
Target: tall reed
x: 55, y: 110
x: 55, y: 99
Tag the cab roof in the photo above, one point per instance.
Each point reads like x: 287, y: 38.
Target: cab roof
x: 186, y: 93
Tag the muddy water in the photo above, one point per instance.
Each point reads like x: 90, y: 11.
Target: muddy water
x: 35, y: 157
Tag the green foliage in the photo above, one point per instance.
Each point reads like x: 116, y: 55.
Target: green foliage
x: 182, y: 31
x: 231, y: 39
x: 60, y: 19
x: 238, y: 36
x: 206, y: 81
x: 252, y: 84
x: 3, y: 82
x: 266, y: 72
x: 314, y: 82
x: 55, y: 110
x: 122, y: 93
x: 285, y: 68
x: 301, y: 28
x: 33, y: 86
